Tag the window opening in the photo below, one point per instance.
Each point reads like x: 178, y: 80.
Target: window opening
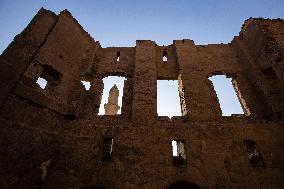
x: 106, y: 149
x: 183, y: 184
x: 41, y: 82
x: 50, y: 74
x: 165, y: 56
x: 117, y: 56
x: 181, y: 96
x: 86, y: 84
x: 269, y: 73
x: 49, y: 77
x: 228, y: 95
x: 178, y: 149
x: 111, y: 102
x: 255, y: 157
x: 168, y: 101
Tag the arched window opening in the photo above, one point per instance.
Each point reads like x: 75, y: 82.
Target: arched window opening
x: 92, y: 187
x: 183, y: 185
x: 86, y: 84
x: 168, y: 98
x: 111, y: 102
x: 229, y: 96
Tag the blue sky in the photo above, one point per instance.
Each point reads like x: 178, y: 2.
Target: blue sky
x: 120, y: 23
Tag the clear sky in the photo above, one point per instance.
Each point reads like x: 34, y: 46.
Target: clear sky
x: 120, y: 23
x: 168, y: 102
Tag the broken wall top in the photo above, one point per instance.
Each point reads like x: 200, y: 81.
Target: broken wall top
x: 57, y: 46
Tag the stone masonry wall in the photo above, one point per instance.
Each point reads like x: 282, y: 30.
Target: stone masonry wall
x: 53, y: 137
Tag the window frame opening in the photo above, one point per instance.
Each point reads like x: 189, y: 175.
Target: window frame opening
x: 51, y: 76
x: 238, y: 102
x: 108, y: 83
x: 181, y: 90
x: 106, y: 149
x: 86, y: 84
x: 254, y: 155
x: 165, y: 56
x: 242, y: 101
x: 118, y: 56
x: 42, y: 82
x: 183, y: 184
x: 178, y: 152
x: 169, y: 103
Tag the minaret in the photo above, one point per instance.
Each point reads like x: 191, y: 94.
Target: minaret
x: 111, y: 108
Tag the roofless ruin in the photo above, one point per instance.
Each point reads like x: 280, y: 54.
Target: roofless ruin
x: 53, y: 137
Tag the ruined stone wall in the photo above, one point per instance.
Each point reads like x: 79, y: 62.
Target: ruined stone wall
x: 53, y: 137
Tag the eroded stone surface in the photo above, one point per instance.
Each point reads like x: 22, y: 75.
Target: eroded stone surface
x: 60, y: 123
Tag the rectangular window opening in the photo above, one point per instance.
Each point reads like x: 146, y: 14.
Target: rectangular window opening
x: 254, y: 155
x: 111, y: 102
x: 178, y: 149
x: 106, y: 149
x: 229, y: 96
x: 169, y: 102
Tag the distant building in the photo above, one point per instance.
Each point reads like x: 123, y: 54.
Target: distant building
x: 111, y: 108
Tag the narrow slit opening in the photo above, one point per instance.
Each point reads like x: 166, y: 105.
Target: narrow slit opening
x: 117, y: 56
x: 165, y: 56
x: 107, y: 144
